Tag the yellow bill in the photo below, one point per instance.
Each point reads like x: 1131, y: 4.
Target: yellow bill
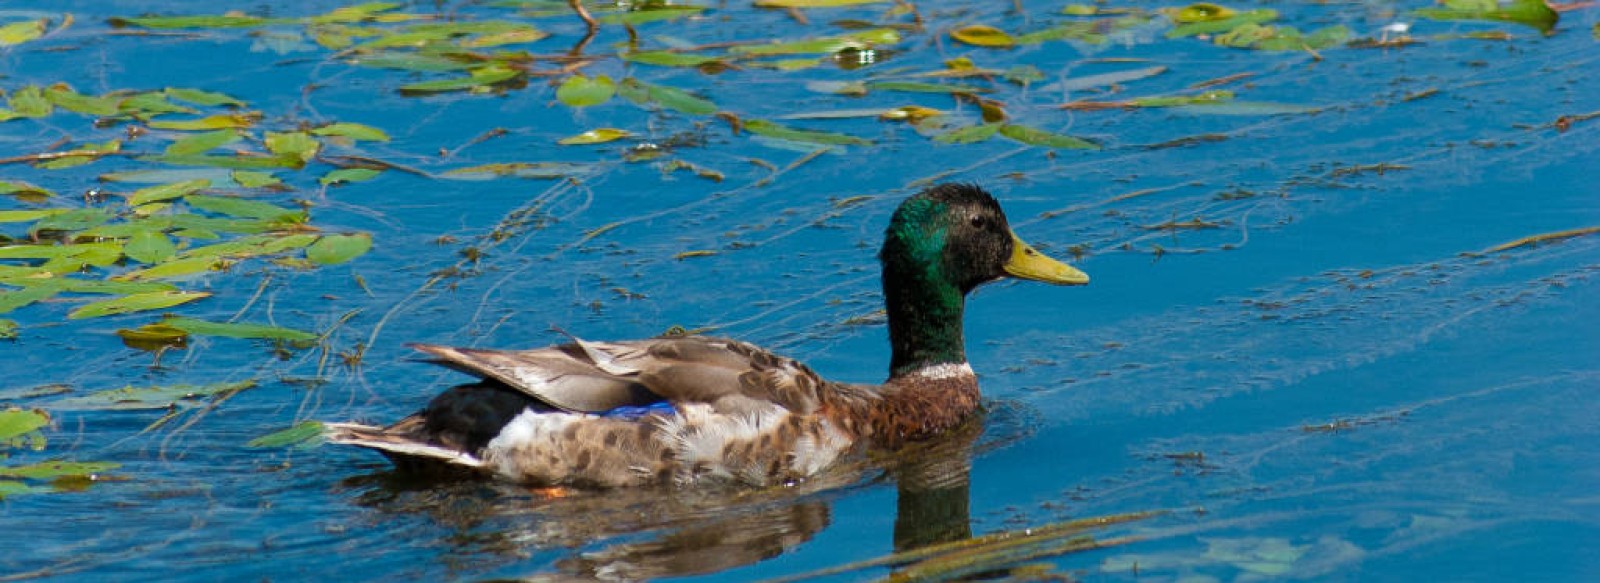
x: 1028, y: 263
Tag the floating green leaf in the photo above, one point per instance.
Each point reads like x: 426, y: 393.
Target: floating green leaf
x: 1260, y: 16
x: 15, y: 423
x: 134, y: 398
x: 28, y: 216
x: 249, y: 179
x: 90, y: 286
x: 73, y: 220
x: 669, y: 97
x: 144, y: 105
x: 65, y: 98
x: 303, y: 434
x: 199, y: 143
x: 253, y: 246
x: 243, y: 207
x: 1199, y: 12
x: 162, y: 192
x: 210, y: 122
x: 11, y: 300
x: 17, y: 33
x: 134, y: 303
x: 199, y: 97
x: 857, y: 40
x: 293, y: 145
x: 983, y: 36
x: 1207, y: 97
x: 335, y: 249
x: 51, y: 470
x: 582, y: 91
x: 1089, y: 32
x: 969, y: 134
x: 354, y: 131
x: 347, y: 175
x: 1534, y: 13
x: 1281, y: 38
x: 479, y: 79
x: 594, y: 136
x: 920, y: 87
x: 149, y: 247
x: 29, y: 101
x: 23, y: 189
x: 644, y: 12
x: 222, y: 21
x: 8, y: 329
x: 1038, y: 137
x: 669, y: 59
x: 180, y: 267
x: 766, y: 128
x: 235, y: 330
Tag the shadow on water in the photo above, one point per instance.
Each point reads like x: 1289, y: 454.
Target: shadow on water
x: 637, y: 534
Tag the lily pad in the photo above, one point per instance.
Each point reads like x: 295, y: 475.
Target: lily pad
x: 983, y: 36
x: 17, y: 33
x: 347, y: 175
x: 969, y: 134
x: 669, y: 97
x: 51, y: 470
x: 205, y: 98
x: 149, y: 247
x: 158, y: 397
x: 200, y: 143
x: 1534, y: 13
x: 301, y: 435
x: 594, y: 136
x: 152, y: 194
x: 582, y: 91
x: 17, y: 425
x: 670, y: 59
x: 335, y: 249
x: 478, y: 79
x: 244, y: 207
x: 1037, y: 137
x: 354, y: 131
x: 236, y: 330
x: 766, y: 128
x: 135, y: 303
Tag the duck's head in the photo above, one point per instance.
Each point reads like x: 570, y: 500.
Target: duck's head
x: 940, y: 245
x: 957, y: 235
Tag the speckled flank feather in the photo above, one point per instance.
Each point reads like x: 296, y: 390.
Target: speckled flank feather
x: 695, y: 445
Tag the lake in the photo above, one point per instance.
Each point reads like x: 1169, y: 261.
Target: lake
x: 1345, y: 263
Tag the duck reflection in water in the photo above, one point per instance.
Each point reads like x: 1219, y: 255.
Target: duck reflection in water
x: 689, y: 532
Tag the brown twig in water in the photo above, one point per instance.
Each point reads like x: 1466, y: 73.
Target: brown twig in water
x: 577, y: 6
x: 1531, y: 240
x: 369, y: 161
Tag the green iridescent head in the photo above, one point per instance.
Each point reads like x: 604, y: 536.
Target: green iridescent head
x: 941, y: 244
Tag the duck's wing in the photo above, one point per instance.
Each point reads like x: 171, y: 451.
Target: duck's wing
x: 593, y: 377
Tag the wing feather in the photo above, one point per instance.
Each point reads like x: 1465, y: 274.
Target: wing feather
x: 587, y: 376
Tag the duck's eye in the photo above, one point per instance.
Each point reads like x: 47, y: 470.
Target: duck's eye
x: 978, y: 222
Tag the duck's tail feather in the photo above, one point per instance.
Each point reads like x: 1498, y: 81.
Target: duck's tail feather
x: 401, y: 443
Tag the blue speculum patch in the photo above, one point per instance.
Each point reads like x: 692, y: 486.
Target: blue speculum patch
x: 634, y: 413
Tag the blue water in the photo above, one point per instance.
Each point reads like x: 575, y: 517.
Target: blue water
x: 1455, y: 393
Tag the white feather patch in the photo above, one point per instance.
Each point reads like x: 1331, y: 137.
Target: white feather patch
x: 944, y: 371
x: 523, y: 432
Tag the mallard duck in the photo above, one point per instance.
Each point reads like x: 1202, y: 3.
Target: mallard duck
x: 688, y: 410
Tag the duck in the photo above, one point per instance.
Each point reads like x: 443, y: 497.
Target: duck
x: 681, y: 411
